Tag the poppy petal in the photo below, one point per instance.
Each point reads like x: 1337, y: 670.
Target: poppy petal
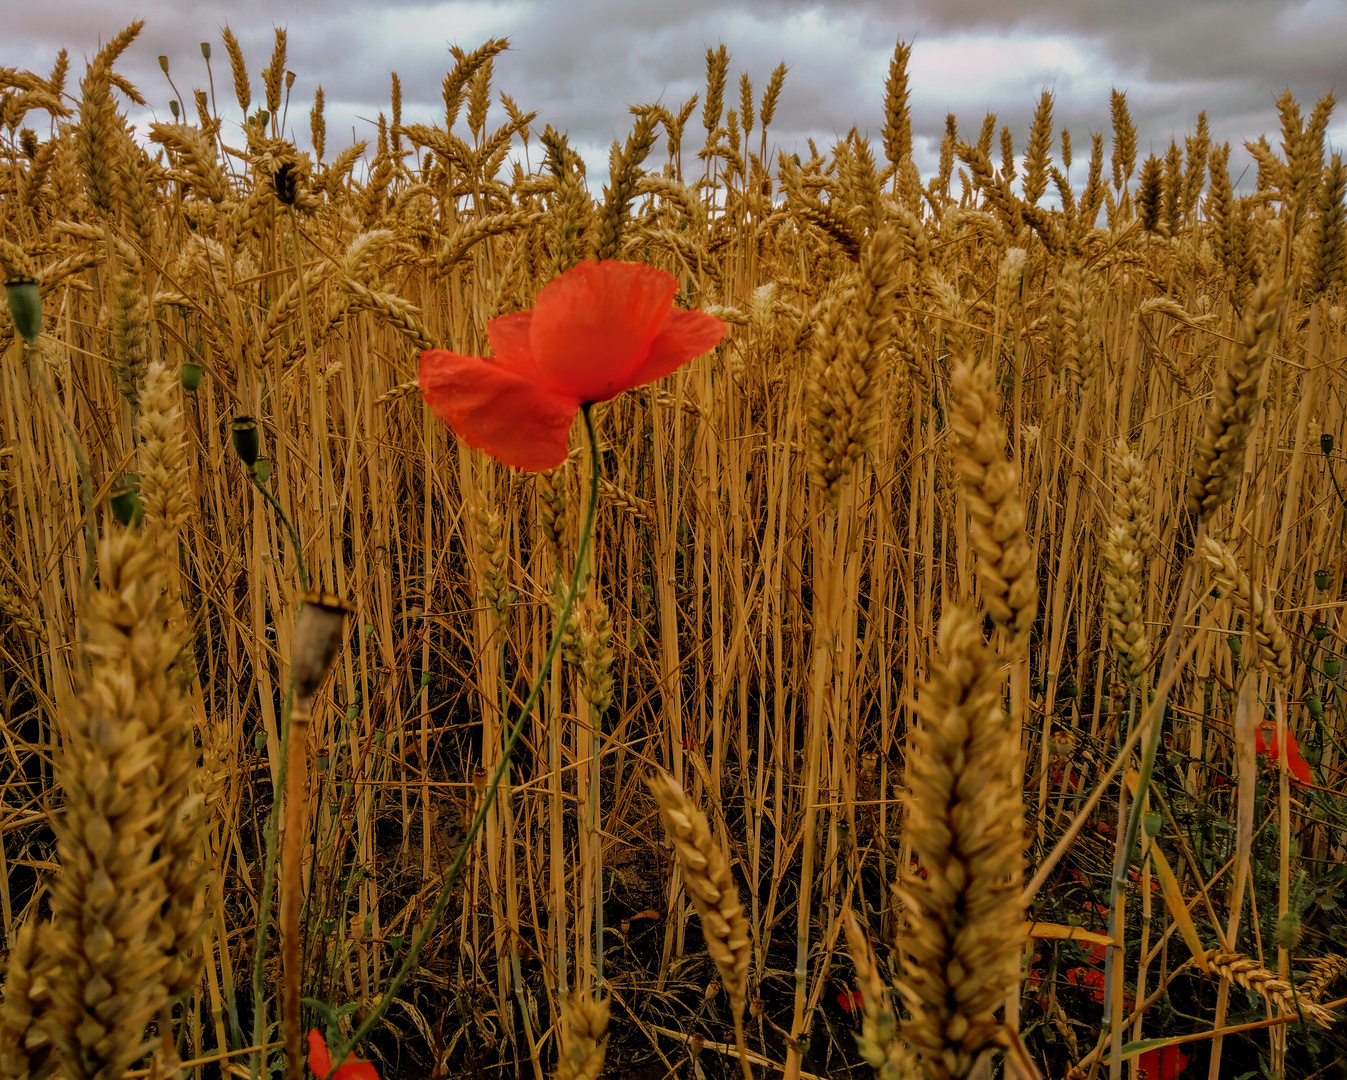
x: 357, y: 1070
x: 594, y: 324
x: 684, y: 336
x: 320, y: 1061
x: 1300, y: 768
x: 503, y: 413
x: 509, y: 337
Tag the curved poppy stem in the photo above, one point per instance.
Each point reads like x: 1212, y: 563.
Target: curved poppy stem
x: 295, y: 545
x: 489, y: 796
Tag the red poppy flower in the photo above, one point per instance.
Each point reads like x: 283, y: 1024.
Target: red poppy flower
x: 597, y: 330
x: 1164, y: 1063
x: 320, y: 1062
x: 850, y: 1000
x: 1300, y: 768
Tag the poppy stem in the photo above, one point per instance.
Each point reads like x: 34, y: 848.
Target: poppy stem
x: 289, y: 528
x: 489, y: 795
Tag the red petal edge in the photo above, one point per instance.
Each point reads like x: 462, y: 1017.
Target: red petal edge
x: 497, y: 411
x: 320, y: 1061
x: 684, y: 336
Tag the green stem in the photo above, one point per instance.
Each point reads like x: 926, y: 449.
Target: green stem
x: 268, y: 885
x: 489, y: 796
x: 289, y: 528
x: 273, y: 828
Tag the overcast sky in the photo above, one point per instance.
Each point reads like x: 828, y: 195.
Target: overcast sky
x: 579, y: 63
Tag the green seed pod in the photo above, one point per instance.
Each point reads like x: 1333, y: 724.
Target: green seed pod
x: 1319, y: 631
x: 1326, y: 443
x: 1332, y: 666
x: 1315, y: 706
x: 163, y: 63
x: 205, y: 51
x: 1321, y: 580
x: 1071, y: 690
x: 320, y: 763
x: 1312, y: 755
x: 126, y: 506
x: 395, y: 941
x: 1288, y: 930
x: 1152, y: 823
x: 246, y: 439
x: 25, y: 306
x: 191, y: 376
x: 1236, y: 644
x: 262, y: 470
x: 174, y: 108
x: 260, y: 741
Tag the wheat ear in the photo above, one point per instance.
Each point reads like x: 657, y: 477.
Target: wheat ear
x: 108, y: 939
x: 965, y: 822
x: 25, y: 1045
x: 710, y: 884
x: 583, y: 1037
x: 878, y: 1041
x: 1219, y: 457
x: 1274, y: 647
x: 1251, y: 975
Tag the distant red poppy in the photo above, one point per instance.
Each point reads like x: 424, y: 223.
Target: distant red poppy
x: 1164, y: 1063
x: 320, y: 1062
x: 1300, y: 768
x: 850, y: 1000
x: 597, y: 330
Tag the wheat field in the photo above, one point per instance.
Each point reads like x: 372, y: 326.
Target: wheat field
x: 944, y: 681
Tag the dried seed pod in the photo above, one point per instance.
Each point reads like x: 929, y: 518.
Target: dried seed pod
x: 318, y: 639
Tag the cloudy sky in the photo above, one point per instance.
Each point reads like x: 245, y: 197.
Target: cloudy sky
x: 579, y: 63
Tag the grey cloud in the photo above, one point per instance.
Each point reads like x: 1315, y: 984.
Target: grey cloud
x: 580, y: 63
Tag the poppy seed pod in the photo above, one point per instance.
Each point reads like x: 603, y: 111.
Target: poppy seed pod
x: 318, y: 640
x: 1332, y: 666
x: 25, y: 306
x: 126, y: 506
x: 191, y: 376
x: 1326, y: 443
x: 1321, y: 580
x: 286, y: 182
x: 173, y: 108
x: 247, y: 441
x: 205, y: 51
x: 163, y: 63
